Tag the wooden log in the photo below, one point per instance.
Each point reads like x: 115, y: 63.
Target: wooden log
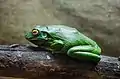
x: 36, y: 63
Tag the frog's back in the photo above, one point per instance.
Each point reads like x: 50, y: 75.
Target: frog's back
x: 70, y: 35
x: 53, y: 28
x: 57, y: 29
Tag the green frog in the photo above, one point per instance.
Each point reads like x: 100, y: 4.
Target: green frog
x: 65, y: 39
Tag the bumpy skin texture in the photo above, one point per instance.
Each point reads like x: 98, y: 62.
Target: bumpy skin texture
x: 64, y: 39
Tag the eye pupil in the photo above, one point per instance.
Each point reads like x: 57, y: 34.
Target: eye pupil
x: 34, y: 32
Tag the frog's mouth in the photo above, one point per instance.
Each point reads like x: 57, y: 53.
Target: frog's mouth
x: 38, y: 42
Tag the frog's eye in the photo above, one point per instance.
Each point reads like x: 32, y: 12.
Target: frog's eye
x: 35, y: 32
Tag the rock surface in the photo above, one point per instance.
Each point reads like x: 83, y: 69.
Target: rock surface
x: 98, y: 19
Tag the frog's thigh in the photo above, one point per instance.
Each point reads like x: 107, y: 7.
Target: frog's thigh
x: 83, y: 53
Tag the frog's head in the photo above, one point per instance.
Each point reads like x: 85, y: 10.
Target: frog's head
x: 37, y: 36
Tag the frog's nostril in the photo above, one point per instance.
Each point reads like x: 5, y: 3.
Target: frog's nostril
x: 27, y: 35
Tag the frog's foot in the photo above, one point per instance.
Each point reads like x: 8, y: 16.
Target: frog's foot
x: 84, y: 53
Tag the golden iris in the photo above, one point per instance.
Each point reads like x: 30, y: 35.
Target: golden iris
x: 35, y: 32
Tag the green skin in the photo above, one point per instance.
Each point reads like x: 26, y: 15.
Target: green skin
x: 64, y: 39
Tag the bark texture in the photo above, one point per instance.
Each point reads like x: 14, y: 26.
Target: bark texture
x: 33, y: 62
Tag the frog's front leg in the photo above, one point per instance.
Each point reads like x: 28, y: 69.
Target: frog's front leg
x: 87, y: 53
x: 57, y: 45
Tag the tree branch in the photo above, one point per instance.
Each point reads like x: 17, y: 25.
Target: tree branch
x: 32, y: 62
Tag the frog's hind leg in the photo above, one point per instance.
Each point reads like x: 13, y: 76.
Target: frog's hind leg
x: 87, y: 53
